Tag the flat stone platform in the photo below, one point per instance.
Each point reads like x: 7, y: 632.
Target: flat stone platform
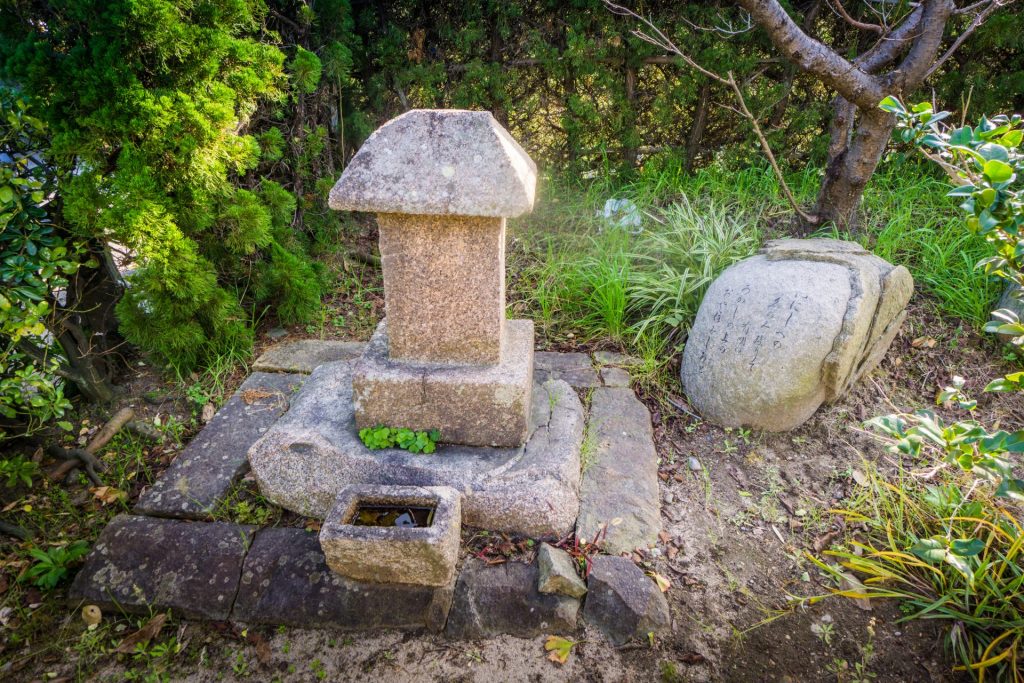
x: 202, y: 569
x: 314, y: 451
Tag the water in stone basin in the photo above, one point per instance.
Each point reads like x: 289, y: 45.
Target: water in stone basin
x: 393, y: 515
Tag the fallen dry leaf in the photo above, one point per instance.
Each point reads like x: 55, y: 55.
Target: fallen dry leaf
x: 924, y: 343
x: 692, y: 658
x: 108, y: 494
x: 559, y: 648
x: 663, y: 535
x: 850, y: 583
x: 663, y: 583
x: 143, y: 635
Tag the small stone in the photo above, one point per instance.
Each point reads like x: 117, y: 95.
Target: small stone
x: 504, y: 600
x: 277, y: 333
x: 669, y: 498
x: 615, y: 377
x: 144, y: 565
x: 573, y: 368
x: 558, y: 572
x: 694, y: 464
x: 622, y: 602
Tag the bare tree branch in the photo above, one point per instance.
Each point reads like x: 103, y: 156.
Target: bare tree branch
x: 659, y: 39
x: 837, y: 5
x: 812, y: 56
x: 990, y: 6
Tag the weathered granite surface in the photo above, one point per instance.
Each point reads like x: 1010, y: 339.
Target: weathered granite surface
x: 216, y: 458
x: 444, y: 287
x: 142, y: 564
x: 393, y: 554
x: 314, y: 451
x: 617, y: 359
x: 447, y: 162
x: 303, y: 355
x: 285, y: 580
x: 576, y: 369
x: 620, y: 484
x: 474, y: 405
x: 503, y: 599
x: 622, y: 602
x: 614, y: 377
x: 558, y: 572
x: 795, y: 326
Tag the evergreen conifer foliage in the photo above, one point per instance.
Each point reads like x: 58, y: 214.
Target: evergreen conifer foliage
x: 148, y: 102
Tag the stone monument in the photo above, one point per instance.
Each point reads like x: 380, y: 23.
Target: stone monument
x: 793, y: 327
x: 441, y: 183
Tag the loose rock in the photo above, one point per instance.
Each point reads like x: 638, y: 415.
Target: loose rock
x: 558, y: 572
x: 622, y: 602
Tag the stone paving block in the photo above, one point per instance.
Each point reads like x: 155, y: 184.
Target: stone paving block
x: 575, y: 369
x: 614, y: 377
x: 216, y: 458
x: 285, y: 580
x: 142, y: 564
x: 503, y: 599
x: 622, y: 602
x: 620, y: 482
x: 304, y: 355
x: 618, y: 359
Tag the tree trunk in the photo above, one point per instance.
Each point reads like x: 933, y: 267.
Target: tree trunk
x: 851, y: 164
x: 85, y: 326
x: 700, y: 120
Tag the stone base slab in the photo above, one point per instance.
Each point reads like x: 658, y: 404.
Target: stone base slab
x: 314, y: 451
x: 474, y: 405
x: 285, y: 580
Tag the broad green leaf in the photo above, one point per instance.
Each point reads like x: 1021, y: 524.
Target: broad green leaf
x: 997, y: 171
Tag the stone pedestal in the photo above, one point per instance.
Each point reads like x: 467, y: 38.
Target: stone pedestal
x: 475, y: 405
x: 442, y: 183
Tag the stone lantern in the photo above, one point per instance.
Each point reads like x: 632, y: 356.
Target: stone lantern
x: 442, y: 183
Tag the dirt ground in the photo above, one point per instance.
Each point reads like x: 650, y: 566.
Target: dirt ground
x: 740, y: 513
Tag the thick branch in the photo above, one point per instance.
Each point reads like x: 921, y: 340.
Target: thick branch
x: 915, y: 67
x: 838, y: 5
x: 814, y: 57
